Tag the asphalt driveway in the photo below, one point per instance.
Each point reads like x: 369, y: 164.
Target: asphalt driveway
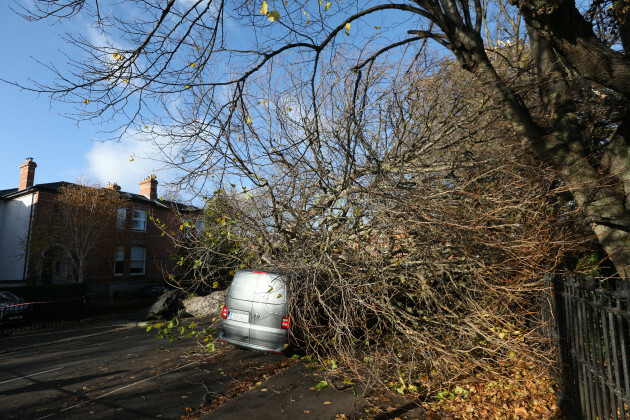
x: 104, y: 371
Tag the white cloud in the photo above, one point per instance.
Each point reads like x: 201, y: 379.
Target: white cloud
x: 124, y: 162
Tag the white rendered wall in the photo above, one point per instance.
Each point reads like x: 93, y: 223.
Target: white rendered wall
x: 14, y: 222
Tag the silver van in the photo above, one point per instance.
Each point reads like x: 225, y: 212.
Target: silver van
x: 255, y: 311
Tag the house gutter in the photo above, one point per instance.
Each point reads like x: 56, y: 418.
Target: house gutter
x: 28, y: 237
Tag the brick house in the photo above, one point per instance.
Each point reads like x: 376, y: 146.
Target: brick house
x: 134, y: 255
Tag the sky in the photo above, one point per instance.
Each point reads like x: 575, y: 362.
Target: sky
x: 30, y: 126
x: 64, y: 150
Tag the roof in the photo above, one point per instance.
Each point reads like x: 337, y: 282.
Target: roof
x: 52, y: 187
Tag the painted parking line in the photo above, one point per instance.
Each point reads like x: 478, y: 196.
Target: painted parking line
x: 28, y: 376
x: 116, y: 390
x: 66, y: 339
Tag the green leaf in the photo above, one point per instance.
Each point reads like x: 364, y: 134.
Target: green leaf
x: 210, y: 347
x: 321, y: 385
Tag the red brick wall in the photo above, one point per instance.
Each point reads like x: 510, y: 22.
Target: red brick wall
x: 100, y: 263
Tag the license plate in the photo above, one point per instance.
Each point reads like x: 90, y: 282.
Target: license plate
x: 238, y: 317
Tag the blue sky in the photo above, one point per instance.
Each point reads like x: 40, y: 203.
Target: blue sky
x: 63, y: 150
x: 32, y: 127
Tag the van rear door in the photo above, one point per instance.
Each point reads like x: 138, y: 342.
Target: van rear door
x: 239, y: 306
x: 268, y: 308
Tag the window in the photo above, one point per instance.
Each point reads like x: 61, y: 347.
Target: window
x: 187, y: 226
x: 119, y: 260
x: 136, y: 262
x: 121, y: 218
x: 139, y: 220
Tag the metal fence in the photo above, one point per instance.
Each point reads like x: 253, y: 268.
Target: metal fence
x: 592, y: 327
x: 40, y: 314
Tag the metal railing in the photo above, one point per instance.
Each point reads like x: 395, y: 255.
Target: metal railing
x: 592, y: 327
x: 40, y: 314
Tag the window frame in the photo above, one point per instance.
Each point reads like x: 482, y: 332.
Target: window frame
x: 121, y: 219
x: 133, y: 260
x: 119, y: 258
x: 137, y: 220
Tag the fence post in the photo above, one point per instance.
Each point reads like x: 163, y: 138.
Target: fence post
x: 569, y: 398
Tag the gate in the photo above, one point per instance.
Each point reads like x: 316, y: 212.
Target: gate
x: 592, y: 327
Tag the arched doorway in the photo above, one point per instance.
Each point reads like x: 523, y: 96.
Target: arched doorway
x: 56, y: 266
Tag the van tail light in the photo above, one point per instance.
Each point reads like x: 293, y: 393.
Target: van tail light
x: 286, y: 322
x: 224, y: 312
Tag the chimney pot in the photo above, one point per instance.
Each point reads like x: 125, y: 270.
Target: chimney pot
x: 27, y: 174
x: 113, y: 186
x: 148, y: 187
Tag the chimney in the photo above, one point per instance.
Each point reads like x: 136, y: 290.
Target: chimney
x: 27, y: 174
x: 148, y: 187
x: 113, y: 186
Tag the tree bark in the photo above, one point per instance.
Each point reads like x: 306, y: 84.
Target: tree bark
x: 572, y: 36
x: 603, y: 204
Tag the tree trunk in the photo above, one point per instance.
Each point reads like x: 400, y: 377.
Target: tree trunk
x: 80, y: 273
x: 603, y: 204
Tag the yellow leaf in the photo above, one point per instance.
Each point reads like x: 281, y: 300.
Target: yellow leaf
x: 263, y: 9
x: 186, y: 87
x: 131, y: 160
x: 249, y: 120
x: 126, y: 80
x: 193, y: 65
x: 348, y: 26
x: 183, y: 159
x: 197, y: 47
x: 327, y: 403
x: 273, y: 16
x: 377, y: 27
x: 86, y: 101
x: 327, y: 6
x: 118, y: 57
x: 146, y: 127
